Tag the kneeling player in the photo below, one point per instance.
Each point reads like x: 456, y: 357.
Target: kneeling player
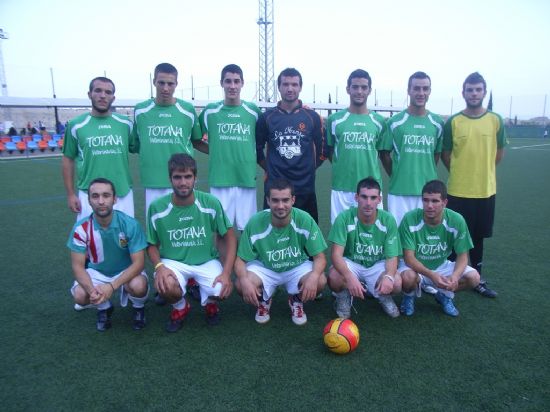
x: 428, y: 236
x: 114, y: 243
x: 365, y: 251
x: 274, y: 250
x: 180, y: 231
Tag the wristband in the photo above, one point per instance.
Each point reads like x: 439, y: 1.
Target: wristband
x: 390, y: 278
x: 110, y: 284
x: 158, y: 265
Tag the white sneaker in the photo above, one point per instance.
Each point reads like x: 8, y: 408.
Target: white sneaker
x: 79, y: 308
x: 297, y: 309
x: 342, y: 304
x: 262, y: 313
x: 388, y: 305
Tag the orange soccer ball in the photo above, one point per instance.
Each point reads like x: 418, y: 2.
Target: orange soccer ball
x: 341, y: 336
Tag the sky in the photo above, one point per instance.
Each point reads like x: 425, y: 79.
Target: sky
x: 506, y: 41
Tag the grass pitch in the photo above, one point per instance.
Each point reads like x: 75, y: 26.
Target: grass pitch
x: 494, y: 356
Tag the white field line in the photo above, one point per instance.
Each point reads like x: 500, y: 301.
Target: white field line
x: 529, y: 146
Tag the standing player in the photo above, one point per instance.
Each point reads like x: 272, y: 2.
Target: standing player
x: 230, y: 126
x: 114, y: 244
x: 365, y: 249
x: 164, y: 126
x: 428, y: 237
x: 295, y: 142
x: 98, y: 142
x: 355, y: 137
x: 274, y: 250
x: 180, y: 231
x: 472, y: 147
x: 411, y: 148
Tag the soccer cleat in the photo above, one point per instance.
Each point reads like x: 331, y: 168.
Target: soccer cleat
x: 138, y: 321
x: 342, y: 304
x: 262, y: 313
x: 194, y: 290
x: 104, y: 319
x: 388, y: 305
x: 159, y: 300
x: 430, y: 290
x: 407, y: 305
x: 177, y: 316
x: 485, y: 290
x: 297, y: 310
x: 79, y: 308
x: 447, y: 304
x: 212, y: 313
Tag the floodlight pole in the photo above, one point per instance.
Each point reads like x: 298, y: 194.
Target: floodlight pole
x: 54, y: 96
x: 3, y: 82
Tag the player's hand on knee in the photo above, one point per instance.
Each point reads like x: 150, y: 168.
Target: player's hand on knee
x: 356, y: 289
x: 308, y: 287
x: 251, y: 294
x: 227, y: 285
x: 163, y: 279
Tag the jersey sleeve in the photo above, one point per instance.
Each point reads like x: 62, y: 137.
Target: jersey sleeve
x: 152, y: 235
x: 70, y: 144
x: 196, y: 129
x: 448, y: 135
x: 463, y: 241
x: 405, y: 236
x: 202, y: 124
x: 222, y: 223
x: 133, y: 141
x: 392, y: 243
x: 136, y: 236
x: 387, y: 138
x: 315, y: 243
x: 381, y: 131
x: 261, y: 137
x: 246, y: 250
x: 77, y: 241
x: 338, y: 234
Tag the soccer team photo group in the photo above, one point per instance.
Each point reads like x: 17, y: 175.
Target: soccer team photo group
x: 425, y: 241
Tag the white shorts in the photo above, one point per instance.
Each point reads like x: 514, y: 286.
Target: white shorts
x: 399, y: 205
x: 99, y: 278
x: 445, y: 269
x: 340, y: 201
x: 124, y: 204
x: 271, y: 279
x: 152, y: 194
x: 203, y: 274
x: 369, y: 276
x: 239, y: 203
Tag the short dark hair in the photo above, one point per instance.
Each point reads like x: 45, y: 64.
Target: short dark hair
x: 474, y: 78
x: 435, y: 186
x: 102, y: 180
x: 288, y: 72
x: 101, y: 79
x: 369, y: 183
x: 181, y: 161
x: 359, y: 74
x: 232, y: 68
x: 165, y: 68
x: 280, y: 184
x: 418, y: 75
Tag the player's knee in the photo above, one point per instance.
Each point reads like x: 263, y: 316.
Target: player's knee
x: 137, y: 286
x: 397, y: 283
x: 335, y: 279
x: 472, y: 278
x: 80, y: 296
x: 409, y: 279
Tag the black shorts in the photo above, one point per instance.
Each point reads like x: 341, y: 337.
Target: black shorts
x: 306, y: 202
x: 478, y: 213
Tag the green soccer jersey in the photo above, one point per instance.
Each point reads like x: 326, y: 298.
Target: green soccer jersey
x: 281, y: 249
x: 162, y: 131
x: 366, y: 244
x: 414, y: 141
x: 187, y: 233
x: 355, y: 140
x: 433, y: 244
x: 108, y: 250
x: 99, y: 146
x: 231, y: 134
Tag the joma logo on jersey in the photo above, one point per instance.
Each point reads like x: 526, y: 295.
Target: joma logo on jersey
x: 283, y: 239
x: 233, y: 115
x: 359, y: 124
x: 367, y: 235
x: 165, y: 115
x: 184, y: 218
x: 419, y: 126
x: 104, y: 126
x: 432, y: 237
